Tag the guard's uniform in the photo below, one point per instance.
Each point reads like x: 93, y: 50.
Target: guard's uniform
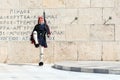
x: 38, y: 37
x: 42, y: 30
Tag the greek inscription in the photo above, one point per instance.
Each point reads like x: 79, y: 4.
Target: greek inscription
x: 13, y: 11
x: 18, y: 25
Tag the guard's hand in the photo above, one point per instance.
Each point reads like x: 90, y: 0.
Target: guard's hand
x: 36, y: 45
x: 48, y: 35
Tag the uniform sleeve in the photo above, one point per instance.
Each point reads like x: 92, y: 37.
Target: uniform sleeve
x: 35, y: 28
x: 48, y: 29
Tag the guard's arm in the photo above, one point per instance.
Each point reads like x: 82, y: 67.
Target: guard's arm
x: 48, y: 30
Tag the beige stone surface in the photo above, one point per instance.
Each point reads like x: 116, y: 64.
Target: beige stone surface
x: 117, y: 32
x: 102, y: 32
x: 8, y: 4
x: 4, y: 12
x: 77, y: 32
x: 111, y: 51
x: 61, y: 16
x: 68, y: 16
x: 35, y: 12
x: 53, y: 16
x: 31, y: 3
x: 90, y: 16
x: 89, y: 50
x: 65, y: 51
x: 25, y: 52
x: 22, y: 52
x: 111, y: 12
x: 54, y: 3
x: 58, y: 32
x: 77, y: 3
x: 3, y: 52
x: 102, y: 3
x: 86, y: 38
x: 117, y: 3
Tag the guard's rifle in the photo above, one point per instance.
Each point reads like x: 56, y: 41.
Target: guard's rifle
x: 44, y: 18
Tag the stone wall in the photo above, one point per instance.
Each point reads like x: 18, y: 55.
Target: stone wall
x: 80, y: 30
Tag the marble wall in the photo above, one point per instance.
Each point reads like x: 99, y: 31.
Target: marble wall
x: 80, y: 30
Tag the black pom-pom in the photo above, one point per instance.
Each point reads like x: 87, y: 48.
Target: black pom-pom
x: 41, y: 63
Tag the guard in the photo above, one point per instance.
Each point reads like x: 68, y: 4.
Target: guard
x: 38, y: 37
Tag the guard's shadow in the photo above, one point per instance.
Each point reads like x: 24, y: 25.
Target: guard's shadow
x: 24, y: 64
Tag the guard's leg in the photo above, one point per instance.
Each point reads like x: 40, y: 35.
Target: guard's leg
x: 36, y: 39
x: 41, y: 56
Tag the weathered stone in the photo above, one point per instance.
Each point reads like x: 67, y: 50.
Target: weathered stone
x: 102, y: 32
x: 22, y: 52
x: 68, y: 16
x: 90, y: 16
x: 117, y: 3
x: 111, y: 51
x: 89, y: 50
x: 61, y: 16
x: 4, y: 12
x: 31, y: 4
x: 113, y: 13
x: 77, y: 32
x: 77, y: 3
x: 53, y: 3
x: 3, y: 51
x: 102, y: 3
x: 8, y: 4
x: 69, y: 20
x: 58, y: 33
x: 117, y: 32
x: 65, y: 51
